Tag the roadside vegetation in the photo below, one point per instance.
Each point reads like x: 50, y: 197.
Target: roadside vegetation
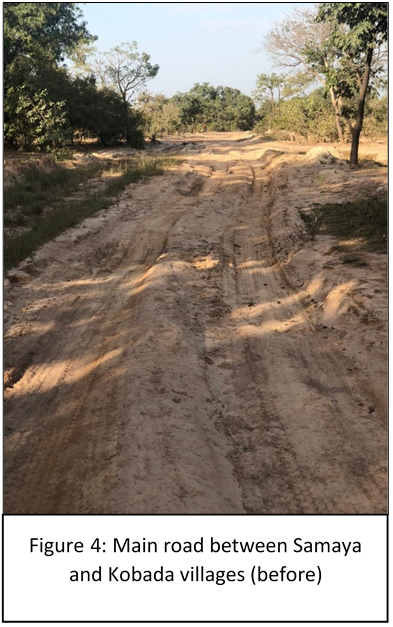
x: 333, y: 58
x: 46, y: 205
x: 363, y: 222
x: 330, y: 85
x: 48, y: 107
x: 203, y: 108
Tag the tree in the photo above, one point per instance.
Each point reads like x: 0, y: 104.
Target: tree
x: 43, y: 32
x: 37, y: 38
x: 160, y: 115
x: 44, y: 106
x: 220, y: 108
x: 358, y: 29
x: 237, y: 111
x: 300, y: 45
x: 124, y: 69
x: 36, y: 119
x: 125, y: 72
x: 297, y: 84
x: 269, y: 86
x: 109, y: 124
x: 311, y: 116
x: 191, y: 110
x: 205, y: 95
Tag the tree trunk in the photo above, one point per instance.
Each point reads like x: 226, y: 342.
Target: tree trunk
x: 356, y: 130
x: 337, y: 115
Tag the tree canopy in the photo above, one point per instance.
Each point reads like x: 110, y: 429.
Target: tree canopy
x: 123, y: 69
x: 44, y: 105
x: 218, y: 108
x: 333, y: 50
x: 300, y: 46
x: 358, y: 30
x: 42, y: 31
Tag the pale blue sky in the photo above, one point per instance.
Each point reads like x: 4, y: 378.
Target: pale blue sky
x: 191, y: 41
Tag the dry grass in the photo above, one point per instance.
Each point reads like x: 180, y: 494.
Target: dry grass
x: 25, y: 205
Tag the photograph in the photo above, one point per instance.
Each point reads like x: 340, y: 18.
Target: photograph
x: 195, y: 258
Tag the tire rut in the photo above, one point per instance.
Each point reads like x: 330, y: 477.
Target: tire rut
x: 180, y: 371
x: 277, y: 348
x: 84, y: 360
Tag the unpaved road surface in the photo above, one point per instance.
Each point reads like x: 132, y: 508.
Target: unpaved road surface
x: 190, y: 351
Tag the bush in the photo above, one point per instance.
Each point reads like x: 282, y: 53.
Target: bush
x: 311, y: 117
x: 33, y: 120
x: 312, y: 221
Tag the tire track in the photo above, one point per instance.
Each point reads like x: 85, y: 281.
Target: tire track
x: 301, y: 453
x: 83, y: 353
x: 184, y: 375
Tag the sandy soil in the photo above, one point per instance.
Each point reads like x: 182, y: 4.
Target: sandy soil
x: 188, y: 351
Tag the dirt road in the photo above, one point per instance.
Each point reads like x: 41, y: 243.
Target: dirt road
x: 187, y: 351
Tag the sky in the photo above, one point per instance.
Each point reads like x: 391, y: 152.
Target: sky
x: 213, y: 42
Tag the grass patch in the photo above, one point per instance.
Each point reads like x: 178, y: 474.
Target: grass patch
x: 37, y: 189
x: 50, y: 189
x: 364, y: 219
x: 131, y: 171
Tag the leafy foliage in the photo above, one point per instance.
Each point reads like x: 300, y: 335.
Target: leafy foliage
x: 44, y: 105
x: 311, y: 116
x: 312, y: 221
x: 340, y: 46
x: 365, y: 24
x: 300, y: 46
x: 123, y: 69
x: 161, y: 116
x: 269, y: 88
x: 47, y: 118
x: 42, y: 31
x: 358, y: 30
x: 216, y: 108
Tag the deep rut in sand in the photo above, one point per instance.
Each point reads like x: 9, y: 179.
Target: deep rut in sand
x: 165, y: 362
